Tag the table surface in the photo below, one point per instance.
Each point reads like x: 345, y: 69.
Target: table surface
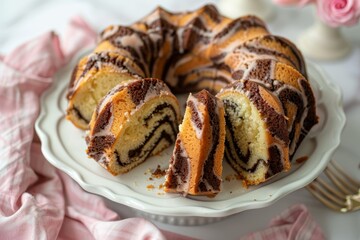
x: 22, y: 20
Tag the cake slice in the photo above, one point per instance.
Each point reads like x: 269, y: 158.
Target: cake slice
x: 291, y: 88
x: 196, y: 164
x: 256, y: 132
x: 92, y: 78
x: 135, y: 120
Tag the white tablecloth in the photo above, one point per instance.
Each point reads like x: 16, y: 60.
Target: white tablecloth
x: 22, y: 20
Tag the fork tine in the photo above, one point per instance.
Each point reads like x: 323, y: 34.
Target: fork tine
x: 322, y: 199
x: 351, y: 180
x: 341, y: 178
x: 337, y: 181
x: 324, y: 189
x: 330, y: 189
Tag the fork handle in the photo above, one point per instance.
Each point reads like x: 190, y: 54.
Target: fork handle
x: 353, y: 202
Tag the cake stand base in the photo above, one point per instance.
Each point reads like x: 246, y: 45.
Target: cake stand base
x: 237, y: 8
x: 322, y: 42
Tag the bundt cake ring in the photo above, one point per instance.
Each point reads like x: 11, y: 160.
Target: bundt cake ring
x: 255, y: 82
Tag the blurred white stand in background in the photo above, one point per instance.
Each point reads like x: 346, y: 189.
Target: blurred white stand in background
x: 236, y: 8
x: 322, y: 42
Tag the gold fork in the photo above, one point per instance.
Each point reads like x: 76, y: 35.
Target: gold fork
x: 344, y: 196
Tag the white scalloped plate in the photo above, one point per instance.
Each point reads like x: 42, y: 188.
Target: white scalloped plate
x: 64, y: 146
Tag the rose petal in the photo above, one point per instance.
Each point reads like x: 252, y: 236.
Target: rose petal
x: 339, y: 12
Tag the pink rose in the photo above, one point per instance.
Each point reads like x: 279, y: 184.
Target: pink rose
x: 339, y: 12
x: 293, y: 2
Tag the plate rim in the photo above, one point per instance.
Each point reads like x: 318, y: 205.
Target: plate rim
x: 332, y: 96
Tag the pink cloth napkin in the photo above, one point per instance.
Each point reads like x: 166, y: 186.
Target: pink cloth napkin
x: 37, y: 201
x: 294, y: 223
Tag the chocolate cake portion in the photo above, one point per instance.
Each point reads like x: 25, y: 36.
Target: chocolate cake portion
x: 199, y: 148
x: 178, y: 174
x: 268, y: 47
x: 193, y: 33
x: 209, y: 181
x: 244, y: 23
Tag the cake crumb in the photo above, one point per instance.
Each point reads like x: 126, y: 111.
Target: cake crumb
x: 228, y: 178
x: 150, y: 178
x: 302, y: 159
x: 159, y: 154
x: 231, y: 177
x: 150, y: 187
x: 161, y: 186
x: 160, y: 193
x: 158, y: 173
x: 147, y: 171
x: 211, y: 195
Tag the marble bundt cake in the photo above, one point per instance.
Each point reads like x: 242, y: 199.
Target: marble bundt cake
x: 135, y: 120
x: 263, y: 78
x: 196, y: 164
x: 257, y: 143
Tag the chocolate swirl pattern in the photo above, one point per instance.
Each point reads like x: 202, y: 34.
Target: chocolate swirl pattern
x: 256, y: 136
x: 137, y: 119
x: 269, y: 47
x: 291, y: 89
